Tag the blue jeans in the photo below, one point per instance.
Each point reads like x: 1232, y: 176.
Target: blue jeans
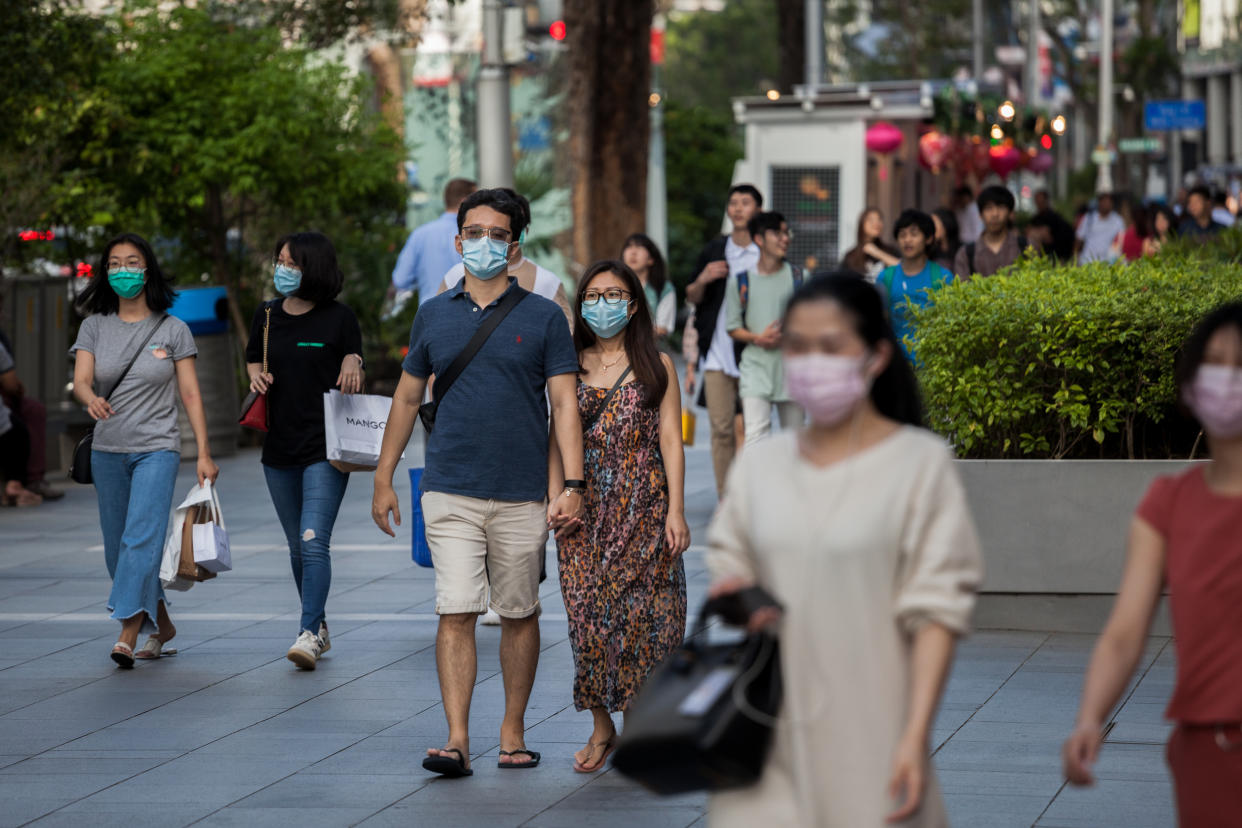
x: 306, y: 501
x: 135, y: 493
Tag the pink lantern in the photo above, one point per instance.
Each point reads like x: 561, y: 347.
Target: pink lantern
x: 934, y: 149
x: 1004, y: 160
x: 1040, y: 163
x: 883, y: 138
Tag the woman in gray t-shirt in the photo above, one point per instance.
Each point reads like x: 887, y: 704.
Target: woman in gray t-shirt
x: 137, y: 445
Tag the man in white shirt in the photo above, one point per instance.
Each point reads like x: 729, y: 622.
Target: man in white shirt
x: 723, y: 257
x: 1100, y: 232
x: 969, y: 220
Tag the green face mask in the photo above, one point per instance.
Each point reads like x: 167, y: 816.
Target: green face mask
x: 127, y: 283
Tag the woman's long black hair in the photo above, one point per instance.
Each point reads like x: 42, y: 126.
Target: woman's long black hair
x: 895, y: 392
x: 640, y: 346
x: 657, y: 273
x: 99, y: 297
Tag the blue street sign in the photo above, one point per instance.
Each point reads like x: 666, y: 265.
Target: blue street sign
x: 1159, y: 116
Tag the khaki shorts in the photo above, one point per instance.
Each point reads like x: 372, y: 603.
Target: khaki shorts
x: 479, y: 544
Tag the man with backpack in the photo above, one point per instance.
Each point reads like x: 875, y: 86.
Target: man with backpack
x: 999, y: 245
x: 755, y: 302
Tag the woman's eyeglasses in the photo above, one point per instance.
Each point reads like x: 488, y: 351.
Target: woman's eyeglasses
x: 613, y: 296
x: 132, y: 263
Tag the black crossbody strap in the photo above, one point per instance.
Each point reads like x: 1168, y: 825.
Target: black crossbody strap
x: 137, y: 354
x: 607, y: 397
x: 445, y: 381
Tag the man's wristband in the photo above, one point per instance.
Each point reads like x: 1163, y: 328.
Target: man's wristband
x: 578, y: 486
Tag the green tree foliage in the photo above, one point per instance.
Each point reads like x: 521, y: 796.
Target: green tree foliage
x: 1051, y: 362
x: 702, y: 147
x: 47, y: 103
x: 219, y: 136
x: 712, y: 57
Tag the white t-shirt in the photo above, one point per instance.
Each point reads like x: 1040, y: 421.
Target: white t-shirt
x: 969, y: 223
x: 720, y: 352
x: 546, y: 282
x: 1098, y: 235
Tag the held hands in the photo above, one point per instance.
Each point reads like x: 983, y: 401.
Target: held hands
x: 565, y: 513
x: 206, y: 469
x: 99, y: 409
x: 261, y: 381
x: 383, y: 501
x: 1079, y: 754
x: 909, y: 778
x: 350, y: 378
x: 676, y: 533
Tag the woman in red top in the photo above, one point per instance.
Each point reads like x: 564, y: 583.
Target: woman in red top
x: 1137, y: 231
x: 1187, y: 536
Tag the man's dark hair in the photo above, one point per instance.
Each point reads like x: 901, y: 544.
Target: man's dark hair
x: 997, y: 195
x: 763, y: 222
x: 747, y: 189
x: 456, y: 191
x: 99, y: 297
x: 963, y: 191
x: 1202, y: 191
x: 315, y: 256
x: 1220, y: 198
x: 501, y: 200
x: 524, y: 203
x: 915, y: 218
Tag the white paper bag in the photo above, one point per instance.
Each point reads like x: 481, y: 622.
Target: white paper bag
x: 211, y: 539
x: 172, y: 544
x: 353, y: 428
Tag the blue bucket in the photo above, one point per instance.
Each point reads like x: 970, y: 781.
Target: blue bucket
x: 204, y: 310
x: 420, y: 551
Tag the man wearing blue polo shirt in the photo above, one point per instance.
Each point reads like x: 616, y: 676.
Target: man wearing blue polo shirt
x: 486, y: 476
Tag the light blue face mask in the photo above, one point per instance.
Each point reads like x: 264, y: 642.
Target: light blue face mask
x: 606, y: 320
x: 485, y: 258
x: 287, y: 280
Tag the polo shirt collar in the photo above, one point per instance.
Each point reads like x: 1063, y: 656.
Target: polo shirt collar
x: 459, y: 290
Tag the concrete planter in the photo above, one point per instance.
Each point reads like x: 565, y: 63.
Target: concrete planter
x: 1054, y: 537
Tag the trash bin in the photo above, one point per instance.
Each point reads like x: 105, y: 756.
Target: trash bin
x: 206, y: 311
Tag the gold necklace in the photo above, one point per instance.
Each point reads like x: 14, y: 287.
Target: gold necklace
x: 608, y: 365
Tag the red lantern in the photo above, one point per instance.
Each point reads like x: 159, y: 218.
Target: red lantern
x: 1004, y: 160
x: 934, y: 149
x: 883, y: 138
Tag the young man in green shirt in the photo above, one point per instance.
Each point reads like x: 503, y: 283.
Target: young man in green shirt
x: 755, y: 303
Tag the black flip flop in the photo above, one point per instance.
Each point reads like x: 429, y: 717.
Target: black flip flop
x: 446, y: 766
x: 533, y: 763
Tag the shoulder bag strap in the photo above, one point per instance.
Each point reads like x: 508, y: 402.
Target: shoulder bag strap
x: 267, y: 327
x: 134, y: 359
x: 445, y: 381
x: 743, y: 293
x: 607, y: 398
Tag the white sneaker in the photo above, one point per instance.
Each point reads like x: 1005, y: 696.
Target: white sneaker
x: 490, y: 618
x: 323, y: 636
x: 306, y: 650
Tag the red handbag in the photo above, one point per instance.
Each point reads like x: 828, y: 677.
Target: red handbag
x: 254, y: 407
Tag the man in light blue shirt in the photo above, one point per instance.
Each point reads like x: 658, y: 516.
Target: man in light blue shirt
x: 429, y: 252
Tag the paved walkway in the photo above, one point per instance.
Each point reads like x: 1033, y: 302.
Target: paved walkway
x: 229, y: 733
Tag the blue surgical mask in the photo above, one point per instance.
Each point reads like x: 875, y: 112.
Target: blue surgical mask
x: 485, y: 258
x: 606, y: 320
x: 287, y: 280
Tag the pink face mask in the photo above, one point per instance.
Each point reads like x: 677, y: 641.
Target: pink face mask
x: 828, y: 387
x: 1215, y: 396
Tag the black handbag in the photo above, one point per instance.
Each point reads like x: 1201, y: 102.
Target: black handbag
x: 427, y: 411
x: 80, y: 464
x: 705, y: 717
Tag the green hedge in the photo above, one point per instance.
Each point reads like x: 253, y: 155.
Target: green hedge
x: 1053, y: 362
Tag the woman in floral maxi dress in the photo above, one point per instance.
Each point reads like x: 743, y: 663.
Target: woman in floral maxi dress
x: 621, y: 572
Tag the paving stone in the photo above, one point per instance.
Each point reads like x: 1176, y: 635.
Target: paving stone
x: 229, y: 733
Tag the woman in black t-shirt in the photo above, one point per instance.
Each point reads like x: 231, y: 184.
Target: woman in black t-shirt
x: 314, y: 345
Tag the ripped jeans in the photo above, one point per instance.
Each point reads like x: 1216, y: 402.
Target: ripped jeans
x: 307, y: 500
